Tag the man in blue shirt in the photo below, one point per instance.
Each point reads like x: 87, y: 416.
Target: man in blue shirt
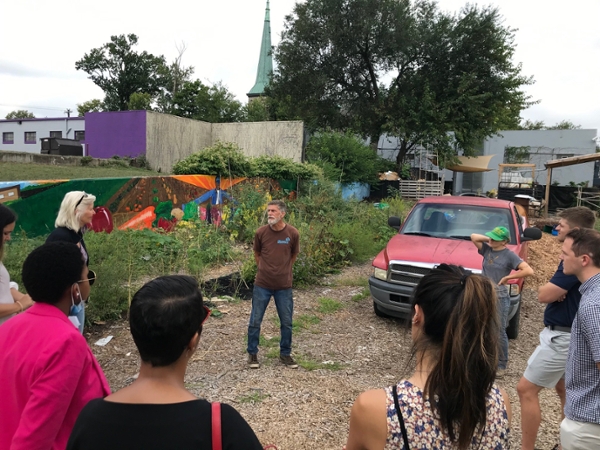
x: 580, y: 429
x: 546, y: 366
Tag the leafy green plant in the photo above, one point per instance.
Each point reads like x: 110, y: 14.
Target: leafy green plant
x: 222, y: 159
x: 345, y: 158
x: 279, y: 168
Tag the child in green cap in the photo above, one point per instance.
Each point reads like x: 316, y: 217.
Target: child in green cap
x: 498, y: 263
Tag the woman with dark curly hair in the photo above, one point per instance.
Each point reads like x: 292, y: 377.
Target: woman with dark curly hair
x: 450, y: 401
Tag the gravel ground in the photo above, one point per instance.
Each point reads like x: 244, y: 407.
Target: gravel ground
x: 342, y: 353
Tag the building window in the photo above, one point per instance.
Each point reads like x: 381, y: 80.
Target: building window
x: 8, y: 137
x: 80, y: 135
x: 30, y: 137
x: 56, y: 134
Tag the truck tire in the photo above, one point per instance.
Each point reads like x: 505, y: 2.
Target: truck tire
x: 379, y: 312
x: 512, y: 330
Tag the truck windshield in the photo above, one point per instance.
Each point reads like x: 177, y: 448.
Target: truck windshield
x: 456, y: 221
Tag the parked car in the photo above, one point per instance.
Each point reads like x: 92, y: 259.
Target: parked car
x: 438, y: 230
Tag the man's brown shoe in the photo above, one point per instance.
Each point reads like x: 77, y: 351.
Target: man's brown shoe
x: 253, y: 361
x: 288, y: 361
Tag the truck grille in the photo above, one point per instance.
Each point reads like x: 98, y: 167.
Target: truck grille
x: 407, y: 274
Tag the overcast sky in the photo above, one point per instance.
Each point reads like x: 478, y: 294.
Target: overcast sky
x: 557, y: 42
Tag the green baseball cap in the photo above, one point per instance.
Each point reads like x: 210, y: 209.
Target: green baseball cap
x: 499, y: 234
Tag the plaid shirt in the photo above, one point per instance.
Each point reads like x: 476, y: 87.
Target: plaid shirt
x: 582, y: 375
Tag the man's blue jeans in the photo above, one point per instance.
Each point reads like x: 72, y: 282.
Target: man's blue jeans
x: 503, y: 309
x: 285, y: 309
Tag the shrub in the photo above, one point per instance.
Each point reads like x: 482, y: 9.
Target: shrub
x: 221, y: 159
x: 279, y: 168
x: 86, y: 160
x: 345, y: 158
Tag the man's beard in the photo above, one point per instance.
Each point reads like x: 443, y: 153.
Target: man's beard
x: 273, y: 221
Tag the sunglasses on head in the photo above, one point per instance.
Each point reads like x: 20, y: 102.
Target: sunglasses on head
x: 91, y: 278
x: 80, y: 200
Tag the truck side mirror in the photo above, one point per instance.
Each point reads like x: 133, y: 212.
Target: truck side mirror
x: 531, y: 234
x: 395, y: 222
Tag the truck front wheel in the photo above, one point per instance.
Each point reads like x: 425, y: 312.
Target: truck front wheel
x: 379, y: 312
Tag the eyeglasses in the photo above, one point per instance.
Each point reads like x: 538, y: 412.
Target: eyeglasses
x: 80, y: 200
x: 91, y: 278
x: 208, y: 312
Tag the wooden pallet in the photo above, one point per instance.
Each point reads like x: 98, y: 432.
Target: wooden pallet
x: 420, y: 189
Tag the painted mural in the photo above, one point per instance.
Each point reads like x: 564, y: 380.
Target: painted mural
x: 127, y: 203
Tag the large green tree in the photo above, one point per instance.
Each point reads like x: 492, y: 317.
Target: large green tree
x: 20, y: 114
x: 94, y: 105
x: 120, y: 71
x: 399, y: 67
x: 211, y: 103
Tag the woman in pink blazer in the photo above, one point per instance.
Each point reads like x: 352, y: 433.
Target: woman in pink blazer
x: 47, y: 371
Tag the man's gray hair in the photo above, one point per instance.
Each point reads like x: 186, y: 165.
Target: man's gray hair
x: 279, y: 203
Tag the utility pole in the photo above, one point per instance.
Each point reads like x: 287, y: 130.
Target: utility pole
x: 68, y: 113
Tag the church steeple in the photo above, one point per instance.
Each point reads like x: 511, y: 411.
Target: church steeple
x: 265, y: 60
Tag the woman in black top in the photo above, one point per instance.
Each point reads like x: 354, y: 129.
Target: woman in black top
x: 157, y: 412
x: 75, y: 215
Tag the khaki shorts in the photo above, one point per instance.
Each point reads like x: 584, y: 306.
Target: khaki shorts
x: 579, y: 435
x: 546, y: 366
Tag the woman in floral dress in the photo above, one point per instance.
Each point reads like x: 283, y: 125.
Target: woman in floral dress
x: 450, y: 401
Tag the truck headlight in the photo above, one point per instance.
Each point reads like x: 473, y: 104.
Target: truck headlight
x: 380, y: 274
x: 514, y: 290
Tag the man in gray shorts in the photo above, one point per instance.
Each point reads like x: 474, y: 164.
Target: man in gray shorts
x: 546, y: 366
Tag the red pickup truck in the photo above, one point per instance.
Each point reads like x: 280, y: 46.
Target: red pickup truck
x: 438, y: 230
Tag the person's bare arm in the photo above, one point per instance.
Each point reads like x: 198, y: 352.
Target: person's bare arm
x: 479, y: 239
x: 7, y: 309
x: 523, y: 270
x: 368, y: 422
x: 550, y: 293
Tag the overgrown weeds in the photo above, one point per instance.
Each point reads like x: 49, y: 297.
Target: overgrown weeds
x: 333, y: 233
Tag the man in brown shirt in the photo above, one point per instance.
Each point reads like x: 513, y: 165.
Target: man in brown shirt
x: 276, y: 247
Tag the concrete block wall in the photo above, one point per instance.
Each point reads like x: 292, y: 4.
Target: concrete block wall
x: 171, y: 138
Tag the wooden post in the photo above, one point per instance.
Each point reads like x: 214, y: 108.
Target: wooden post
x: 547, y: 196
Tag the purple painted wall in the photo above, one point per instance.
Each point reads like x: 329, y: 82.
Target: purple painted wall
x: 121, y: 133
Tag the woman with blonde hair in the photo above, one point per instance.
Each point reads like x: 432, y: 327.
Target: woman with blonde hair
x: 450, y: 401
x: 11, y: 300
x: 74, y: 216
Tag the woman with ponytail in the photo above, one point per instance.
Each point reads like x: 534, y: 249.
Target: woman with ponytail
x: 450, y: 401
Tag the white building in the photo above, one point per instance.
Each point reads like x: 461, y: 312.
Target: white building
x: 24, y: 135
x: 539, y: 146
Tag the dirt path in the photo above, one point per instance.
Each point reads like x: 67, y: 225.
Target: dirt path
x: 349, y: 351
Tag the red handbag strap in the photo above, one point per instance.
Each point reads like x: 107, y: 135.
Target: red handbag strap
x: 217, y: 440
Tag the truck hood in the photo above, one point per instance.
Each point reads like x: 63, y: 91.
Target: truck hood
x: 430, y: 250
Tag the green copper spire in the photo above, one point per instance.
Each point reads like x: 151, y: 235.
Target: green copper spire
x: 265, y: 61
